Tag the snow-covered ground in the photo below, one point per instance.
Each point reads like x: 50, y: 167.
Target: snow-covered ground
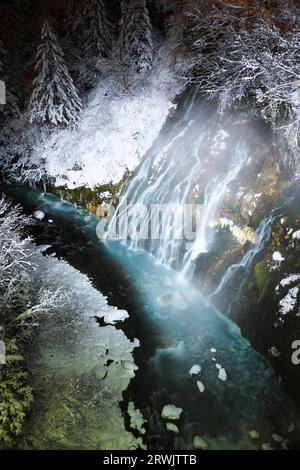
x: 116, y: 130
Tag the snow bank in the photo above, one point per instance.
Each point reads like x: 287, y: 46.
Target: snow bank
x: 114, y: 133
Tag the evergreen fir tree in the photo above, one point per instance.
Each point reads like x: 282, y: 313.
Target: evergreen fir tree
x: 97, y: 34
x: 54, y: 98
x: 136, y: 36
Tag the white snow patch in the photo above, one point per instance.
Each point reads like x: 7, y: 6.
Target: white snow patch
x: 277, y: 256
x: 288, y: 303
x: 296, y: 235
x: 288, y: 280
x: 115, y: 132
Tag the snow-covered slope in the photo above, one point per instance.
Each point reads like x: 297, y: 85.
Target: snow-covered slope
x: 116, y: 130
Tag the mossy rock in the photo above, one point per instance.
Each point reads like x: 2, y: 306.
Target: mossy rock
x: 263, y: 276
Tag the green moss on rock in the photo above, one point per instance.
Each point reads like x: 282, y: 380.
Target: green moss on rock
x: 262, y: 276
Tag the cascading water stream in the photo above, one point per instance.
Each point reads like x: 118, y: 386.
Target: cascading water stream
x: 163, y: 202
x: 245, y: 264
x: 214, y: 193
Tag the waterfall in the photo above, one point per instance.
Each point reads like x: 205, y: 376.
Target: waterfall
x: 214, y: 194
x: 164, y: 180
x: 169, y: 181
x: 245, y: 264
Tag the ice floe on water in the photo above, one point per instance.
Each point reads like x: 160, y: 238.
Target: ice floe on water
x: 222, y: 374
x: 171, y: 427
x: 171, y: 412
x: 199, y: 443
x: 195, y: 370
x: 200, y: 386
x: 114, y: 316
x: 39, y: 215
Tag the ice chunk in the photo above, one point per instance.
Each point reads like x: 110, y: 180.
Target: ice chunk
x: 195, y: 370
x: 115, y: 315
x: 201, y: 386
x: 254, y: 434
x: 39, y: 215
x: 222, y: 375
x: 199, y: 443
x: 171, y: 412
x: 266, y: 446
x: 172, y: 428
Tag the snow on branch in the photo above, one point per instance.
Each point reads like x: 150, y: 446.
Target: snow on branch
x: 246, y: 57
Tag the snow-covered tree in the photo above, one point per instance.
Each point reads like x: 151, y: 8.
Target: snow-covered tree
x: 54, y: 99
x: 15, y: 258
x: 21, y: 295
x: 96, y: 29
x: 244, y: 54
x: 135, y: 42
